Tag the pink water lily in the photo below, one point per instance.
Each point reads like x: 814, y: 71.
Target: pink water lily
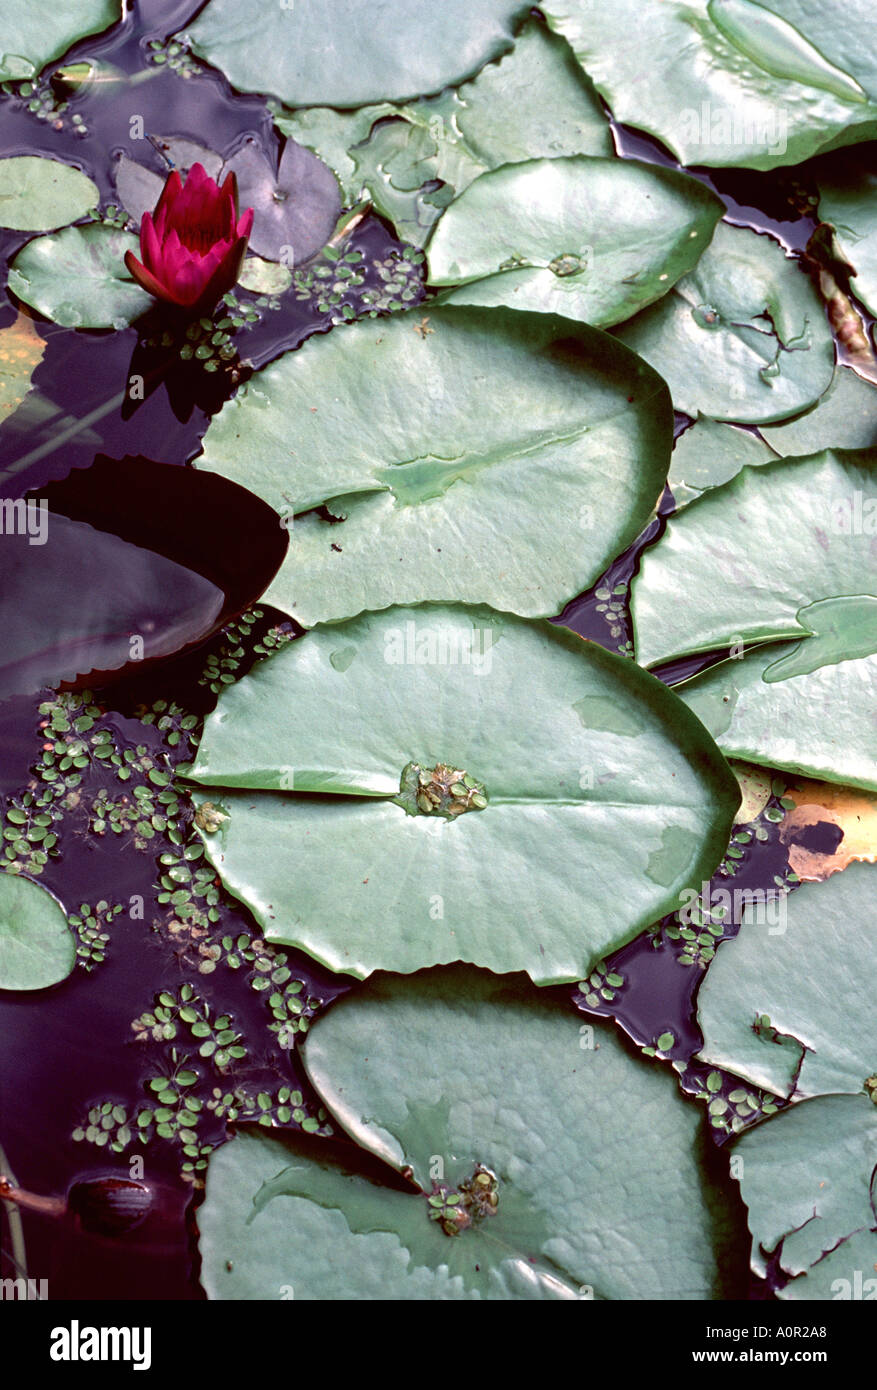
x: 193, y: 244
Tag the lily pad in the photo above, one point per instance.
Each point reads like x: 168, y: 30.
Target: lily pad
x: 427, y: 439
x: 789, y: 1005
x: 849, y: 202
x: 72, y: 596
x: 814, y: 721
x: 844, y: 418
x: 337, y: 53
x: 264, y: 277
x: 39, y: 194
x: 589, y: 1152
x: 139, y: 187
x: 591, y: 239
x: 78, y: 277
x: 32, y: 35
x: 592, y: 772
x: 709, y: 454
x: 743, y: 337
x: 730, y: 82
x: 36, y: 946
x: 807, y: 1177
x: 534, y: 102
x: 740, y: 563
x: 297, y: 203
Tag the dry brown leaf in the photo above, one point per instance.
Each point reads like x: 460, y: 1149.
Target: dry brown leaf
x: 21, y: 351
x: 823, y: 804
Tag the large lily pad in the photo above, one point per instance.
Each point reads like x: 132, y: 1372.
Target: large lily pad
x: 709, y: 454
x: 731, y: 81
x: 338, y: 53
x: 430, y: 438
x: 32, y: 35
x: 36, y: 946
x: 742, y: 562
x: 534, y: 102
x: 590, y: 1152
x: 591, y: 239
x: 596, y: 779
x: 743, y: 337
x: 78, y: 277
x: 807, y: 1177
x: 789, y: 1006
x: 39, y: 194
x: 844, y: 418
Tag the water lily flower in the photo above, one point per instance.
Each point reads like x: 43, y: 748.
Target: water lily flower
x: 193, y: 244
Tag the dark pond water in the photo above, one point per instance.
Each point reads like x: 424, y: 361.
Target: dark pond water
x: 138, y: 523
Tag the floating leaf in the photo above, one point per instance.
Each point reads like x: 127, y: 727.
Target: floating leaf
x: 816, y: 722
x: 807, y: 1177
x: 844, y: 418
x: 38, y: 194
x: 743, y: 337
x: 819, y: 810
x: 36, y: 946
x: 428, y: 438
x: 592, y: 775
x: 32, y: 35
x: 139, y: 188
x: 730, y: 81
x: 847, y: 200
x: 740, y: 563
x: 72, y: 596
x: 297, y: 203
x: 591, y: 239
x: 21, y: 351
x: 708, y: 454
x: 788, y: 1004
x: 344, y: 55
x: 590, y: 1153
x: 78, y: 277
x: 534, y: 102
x: 264, y: 277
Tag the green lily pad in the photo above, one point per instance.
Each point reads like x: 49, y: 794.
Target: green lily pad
x: 730, y: 81
x: 428, y: 438
x: 340, y: 54
x: 78, y: 277
x: 844, y: 418
x: 807, y: 1177
x: 849, y: 202
x: 594, y: 776
x: 590, y: 1153
x: 743, y: 337
x: 297, y: 204
x: 264, y: 277
x: 534, y: 102
x: 34, y: 34
x: 788, y: 1005
x: 36, y: 946
x: 802, y: 706
x: 591, y: 239
x: 709, y: 454
x: 39, y: 194
x: 740, y: 563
